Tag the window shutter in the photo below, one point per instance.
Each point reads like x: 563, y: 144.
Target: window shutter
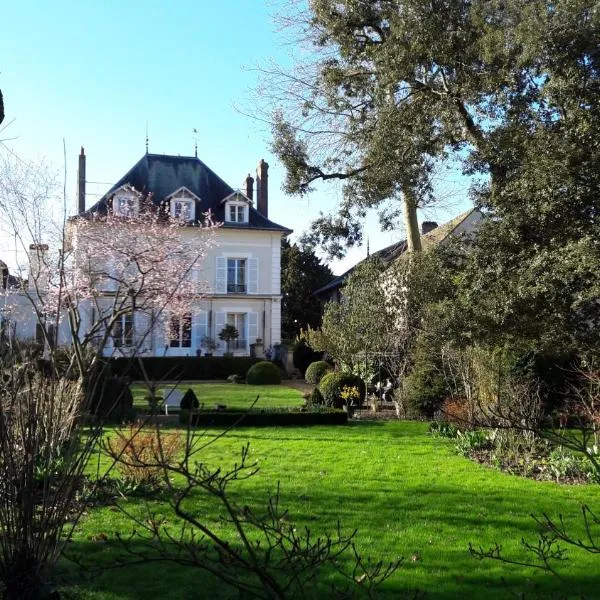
x: 219, y: 324
x: 221, y: 281
x: 253, y: 276
x: 199, y: 328
x: 252, y: 327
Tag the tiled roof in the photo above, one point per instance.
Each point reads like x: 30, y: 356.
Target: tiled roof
x: 161, y: 175
x: 391, y: 253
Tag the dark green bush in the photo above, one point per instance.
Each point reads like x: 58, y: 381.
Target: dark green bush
x: 315, y: 398
x: 184, y: 367
x: 332, y: 384
x: 263, y: 373
x: 264, y: 418
x: 316, y: 370
x: 189, y: 400
x: 424, y: 390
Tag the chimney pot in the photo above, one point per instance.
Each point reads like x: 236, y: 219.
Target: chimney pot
x: 262, y: 188
x: 81, y: 183
x: 249, y: 187
x: 428, y: 226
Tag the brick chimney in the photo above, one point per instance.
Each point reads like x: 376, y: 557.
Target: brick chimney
x: 249, y: 187
x: 428, y: 226
x: 81, y: 183
x: 262, y: 188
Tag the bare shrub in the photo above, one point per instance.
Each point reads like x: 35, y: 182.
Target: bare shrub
x: 141, y: 453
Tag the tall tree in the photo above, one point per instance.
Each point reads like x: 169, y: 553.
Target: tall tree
x: 396, y: 85
x: 301, y: 274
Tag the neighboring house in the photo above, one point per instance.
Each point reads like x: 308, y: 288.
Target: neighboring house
x: 431, y: 235
x: 241, y: 270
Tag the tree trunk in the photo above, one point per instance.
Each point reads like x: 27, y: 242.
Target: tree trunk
x: 411, y: 223
x: 1, y: 107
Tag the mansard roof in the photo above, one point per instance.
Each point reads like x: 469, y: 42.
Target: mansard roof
x: 161, y: 175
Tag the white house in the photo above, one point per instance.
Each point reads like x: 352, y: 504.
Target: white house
x: 241, y: 270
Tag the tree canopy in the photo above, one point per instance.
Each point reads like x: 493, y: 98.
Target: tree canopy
x: 393, y: 86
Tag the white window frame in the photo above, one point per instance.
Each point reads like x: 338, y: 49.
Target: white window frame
x: 126, y: 205
x: 123, y: 331
x: 240, y: 209
x: 177, y: 326
x: 185, y: 209
x: 240, y: 278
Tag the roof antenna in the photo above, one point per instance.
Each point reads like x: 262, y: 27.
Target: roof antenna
x: 195, y: 132
x: 146, y: 137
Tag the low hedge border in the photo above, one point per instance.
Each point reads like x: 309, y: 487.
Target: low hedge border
x: 183, y: 367
x: 263, y: 418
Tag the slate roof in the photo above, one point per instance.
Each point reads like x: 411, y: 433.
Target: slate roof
x: 391, y: 253
x: 162, y: 175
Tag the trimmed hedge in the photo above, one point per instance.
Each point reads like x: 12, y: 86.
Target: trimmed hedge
x: 184, y: 367
x: 263, y: 373
x: 332, y: 384
x: 264, y: 418
x: 316, y: 370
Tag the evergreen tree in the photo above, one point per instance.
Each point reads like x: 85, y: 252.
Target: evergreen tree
x: 301, y: 274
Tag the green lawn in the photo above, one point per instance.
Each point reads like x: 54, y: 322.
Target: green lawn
x: 232, y: 395
x: 406, y: 493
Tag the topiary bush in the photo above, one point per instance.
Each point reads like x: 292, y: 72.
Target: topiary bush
x: 189, y: 400
x: 110, y: 399
x: 315, y: 398
x: 332, y: 384
x: 264, y: 373
x: 316, y: 370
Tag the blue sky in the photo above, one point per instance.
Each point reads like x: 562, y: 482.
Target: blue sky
x: 94, y: 74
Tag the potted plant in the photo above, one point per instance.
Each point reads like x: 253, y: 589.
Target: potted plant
x: 228, y: 334
x: 209, y: 345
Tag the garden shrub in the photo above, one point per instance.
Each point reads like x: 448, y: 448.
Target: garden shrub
x: 424, y: 390
x: 315, y: 398
x: 263, y: 373
x: 138, y: 453
x: 456, y: 410
x: 332, y: 384
x: 189, y: 400
x: 316, y: 370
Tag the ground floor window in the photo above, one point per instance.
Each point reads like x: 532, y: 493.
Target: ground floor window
x: 180, y: 331
x: 238, y: 320
x: 123, y: 331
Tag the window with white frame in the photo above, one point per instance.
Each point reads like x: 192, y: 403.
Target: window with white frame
x: 122, y: 333
x: 181, y: 208
x: 125, y: 205
x: 238, y: 320
x: 236, y: 212
x: 180, y: 331
x: 236, y: 276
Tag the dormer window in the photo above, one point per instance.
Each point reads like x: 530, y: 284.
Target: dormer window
x: 183, y: 204
x: 125, y: 206
x: 237, y: 212
x: 182, y: 209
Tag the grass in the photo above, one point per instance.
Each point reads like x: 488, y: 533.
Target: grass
x: 232, y: 395
x: 406, y: 493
